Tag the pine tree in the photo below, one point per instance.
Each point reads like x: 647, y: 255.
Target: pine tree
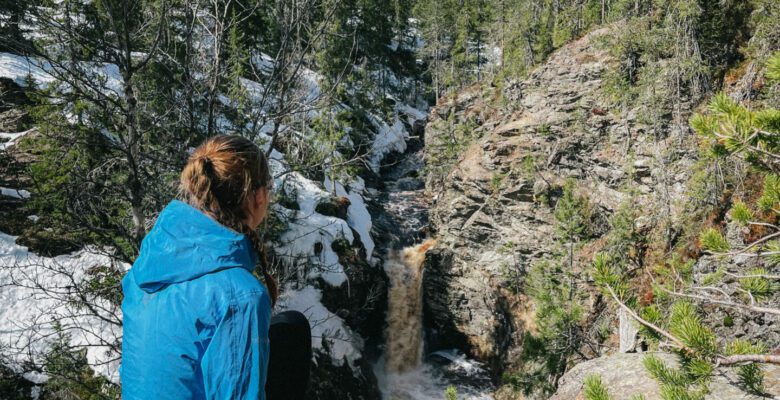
x: 731, y: 130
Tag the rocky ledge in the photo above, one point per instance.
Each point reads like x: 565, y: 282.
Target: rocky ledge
x: 624, y: 376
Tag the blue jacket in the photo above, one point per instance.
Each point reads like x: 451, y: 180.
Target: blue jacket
x: 195, y: 318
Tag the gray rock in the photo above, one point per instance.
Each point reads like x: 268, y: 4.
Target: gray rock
x: 627, y: 330
x: 624, y: 375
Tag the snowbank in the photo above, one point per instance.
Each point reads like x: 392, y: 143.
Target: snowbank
x: 11, y: 138
x: 358, y: 216
x: 307, y: 243
x: 19, y: 68
x: 393, y: 138
x: 387, y: 140
x: 343, y: 344
x: 35, y: 292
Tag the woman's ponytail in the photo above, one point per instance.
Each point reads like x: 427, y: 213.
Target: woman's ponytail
x: 195, y: 183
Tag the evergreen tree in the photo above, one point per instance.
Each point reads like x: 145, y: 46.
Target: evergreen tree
x: 732, y: 130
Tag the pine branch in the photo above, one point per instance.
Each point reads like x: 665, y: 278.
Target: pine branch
x: 721, y: 361
x: 749, y: 358
x: 765, y: 276
x: 650, y: 325
x: 765, y: 310
x: 750, y: 246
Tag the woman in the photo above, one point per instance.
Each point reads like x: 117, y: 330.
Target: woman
x: 197, y: 323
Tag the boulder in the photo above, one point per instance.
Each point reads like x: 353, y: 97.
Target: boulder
x: 335, y: 206
x: 624, y: 376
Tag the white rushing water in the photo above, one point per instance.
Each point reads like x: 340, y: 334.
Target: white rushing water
x: 430, y: 382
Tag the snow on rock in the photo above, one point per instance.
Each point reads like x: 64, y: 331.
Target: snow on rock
x: 264, y: 63
x: 412, y: 113
x: 393, y: 138
x: 358, y: 216
x: 35, y: 291
x: 18, y: 68
x: 308, y: 239
x: 11, y: 138
x: 343, y: 344
x: 387, y: 140
x: 15, y: 193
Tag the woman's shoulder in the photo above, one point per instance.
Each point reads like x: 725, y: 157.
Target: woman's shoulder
x: 236, y: 283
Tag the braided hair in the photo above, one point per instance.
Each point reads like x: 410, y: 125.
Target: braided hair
x: 219, y: 177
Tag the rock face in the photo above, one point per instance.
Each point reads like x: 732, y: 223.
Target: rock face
x: 728, y: 322
x: 624, y: 376
x: 492, y: 212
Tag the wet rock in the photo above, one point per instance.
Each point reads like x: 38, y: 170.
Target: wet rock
x: 11, y: 95
x: 335, y: 206
x: 12, y: 120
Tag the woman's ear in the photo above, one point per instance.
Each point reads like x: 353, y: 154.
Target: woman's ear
x: 262, y: 197
x: 260, y: 202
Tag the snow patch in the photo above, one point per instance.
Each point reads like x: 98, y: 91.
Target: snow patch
x: 11, y: 138
x: 19, y: 68
x: 310, y: 235
x: 414, y: 114
x: 358, y: 216
x: 36, y: 291
x: 343, y: 344
x: 15, y: 193
x: 387, y: 140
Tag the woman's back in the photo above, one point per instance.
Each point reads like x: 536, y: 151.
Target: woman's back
x: 195, y: 318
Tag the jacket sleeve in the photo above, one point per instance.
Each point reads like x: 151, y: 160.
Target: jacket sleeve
x: 235, y: 363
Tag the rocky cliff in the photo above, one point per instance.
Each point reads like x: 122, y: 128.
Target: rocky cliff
x: 493, y: 206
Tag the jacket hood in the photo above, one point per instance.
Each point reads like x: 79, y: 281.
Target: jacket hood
x: 186, y: 244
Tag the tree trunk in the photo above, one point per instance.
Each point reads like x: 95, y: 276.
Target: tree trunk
x: 134, y: 184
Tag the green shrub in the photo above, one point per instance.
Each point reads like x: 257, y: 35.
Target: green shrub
x: 751, y: 376
x: 573, y: 213
x: 740, y: 213
x: 594, y: 389
x: 451, y: 393
x: 757, y: 284
x: 712, y: 240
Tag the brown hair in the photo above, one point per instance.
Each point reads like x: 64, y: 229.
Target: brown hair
x: 219, y: 177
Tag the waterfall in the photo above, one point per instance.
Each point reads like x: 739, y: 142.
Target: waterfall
x: 404, y: 316
x: 404, y: 371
